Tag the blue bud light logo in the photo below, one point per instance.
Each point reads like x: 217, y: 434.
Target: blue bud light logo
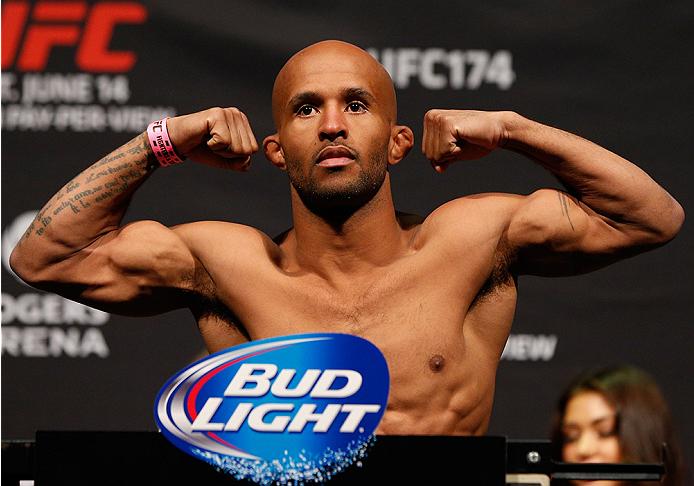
x: 289, y: 409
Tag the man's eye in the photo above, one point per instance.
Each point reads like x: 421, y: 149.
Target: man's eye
x: 356, y: 107
x: 306, y: 110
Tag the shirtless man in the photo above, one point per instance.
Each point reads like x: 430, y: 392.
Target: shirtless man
x: 436, y: 295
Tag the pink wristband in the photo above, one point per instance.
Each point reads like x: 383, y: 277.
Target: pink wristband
x: 161, y: 143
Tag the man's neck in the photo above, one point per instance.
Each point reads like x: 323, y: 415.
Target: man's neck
x: 359, y: 240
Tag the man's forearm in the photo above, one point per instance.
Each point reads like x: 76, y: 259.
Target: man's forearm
x: 90, y: 205
x: 607, y: 183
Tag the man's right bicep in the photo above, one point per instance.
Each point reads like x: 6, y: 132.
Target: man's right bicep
x: 140, y: 269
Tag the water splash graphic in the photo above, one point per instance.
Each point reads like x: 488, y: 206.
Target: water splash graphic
x: 290, y: 471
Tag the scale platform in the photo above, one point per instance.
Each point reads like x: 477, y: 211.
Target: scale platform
x: 147, y: 458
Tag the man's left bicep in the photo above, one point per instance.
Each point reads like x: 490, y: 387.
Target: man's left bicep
x: 554, y: 234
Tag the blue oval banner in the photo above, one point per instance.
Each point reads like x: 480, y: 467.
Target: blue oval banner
x: 294, y: 408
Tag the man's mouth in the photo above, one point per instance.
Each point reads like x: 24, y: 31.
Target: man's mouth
x: 335, y: 156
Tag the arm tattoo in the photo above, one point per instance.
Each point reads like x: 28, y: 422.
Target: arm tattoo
x: 564, y: 203
x: 104, y: 180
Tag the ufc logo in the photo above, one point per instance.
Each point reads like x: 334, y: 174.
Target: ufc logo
x: 67, y: 23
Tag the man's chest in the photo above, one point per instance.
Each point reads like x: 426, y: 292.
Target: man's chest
x: 410, y: 294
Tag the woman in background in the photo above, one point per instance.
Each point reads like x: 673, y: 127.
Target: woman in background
x: 617, y: 415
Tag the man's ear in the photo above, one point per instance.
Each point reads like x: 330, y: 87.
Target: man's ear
x: 273, y: 151
x: 401, y: 141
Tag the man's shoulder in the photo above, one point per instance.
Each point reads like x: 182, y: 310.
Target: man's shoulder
x: 213, y: 227
x: 462, y: 222
x: 218, y: 235
x: 488, y: 208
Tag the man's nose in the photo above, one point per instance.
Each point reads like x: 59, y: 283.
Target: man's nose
x: 333, y: 124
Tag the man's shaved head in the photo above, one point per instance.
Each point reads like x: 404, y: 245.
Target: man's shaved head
x: 330, y: 57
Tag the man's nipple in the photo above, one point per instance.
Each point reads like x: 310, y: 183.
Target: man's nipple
x: 437, y: 363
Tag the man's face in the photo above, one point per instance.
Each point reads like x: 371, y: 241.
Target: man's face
x: 334, y: 120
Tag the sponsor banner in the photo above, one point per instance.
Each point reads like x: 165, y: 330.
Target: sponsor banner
x: 94, y: 99
x: 435, y: 68
x: 285, y: 409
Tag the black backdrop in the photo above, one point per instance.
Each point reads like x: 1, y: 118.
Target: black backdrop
x: 618, y: 73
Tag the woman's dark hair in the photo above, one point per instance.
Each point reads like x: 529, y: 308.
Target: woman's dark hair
x: 643, y: 419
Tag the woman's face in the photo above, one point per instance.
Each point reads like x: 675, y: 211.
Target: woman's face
x: 589, y: 430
